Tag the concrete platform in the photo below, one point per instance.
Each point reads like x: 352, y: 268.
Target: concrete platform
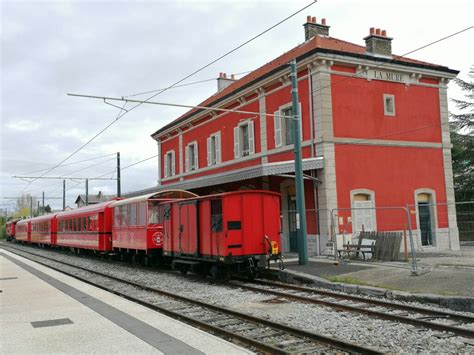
x: 44, y: 311
x: 446, y: 278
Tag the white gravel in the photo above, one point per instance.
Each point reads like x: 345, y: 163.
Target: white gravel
x: 380, y: 334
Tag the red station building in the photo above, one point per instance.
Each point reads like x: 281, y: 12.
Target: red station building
x: 375, y: 134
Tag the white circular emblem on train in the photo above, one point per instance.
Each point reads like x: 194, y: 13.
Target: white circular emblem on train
x: 158, y: 238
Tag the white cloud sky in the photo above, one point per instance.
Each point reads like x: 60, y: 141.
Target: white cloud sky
x: 116, y: 48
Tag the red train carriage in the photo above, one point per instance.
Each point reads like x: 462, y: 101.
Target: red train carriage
x: 87, y: 227
x: 232, y: 232
x: 135, y: 227
x: 23, y: 228
x: 10, y: 230
x: 44, y: 229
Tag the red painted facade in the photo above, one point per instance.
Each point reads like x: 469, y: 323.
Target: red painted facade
x: 374, y: 134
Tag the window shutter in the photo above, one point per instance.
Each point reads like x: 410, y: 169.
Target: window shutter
x: 277, y: 119
x: 196, y: 156
x: 165, y: 173
x: 173, y: 163
x: 209, y: 151
x: 218, y: 148
x: 236, y: 142
x: 186, y: 161
x: 251, y: 138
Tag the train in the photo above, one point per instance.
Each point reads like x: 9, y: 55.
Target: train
x: 218, y: 235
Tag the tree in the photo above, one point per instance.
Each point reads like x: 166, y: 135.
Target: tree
x: 25, y: 201
x: 462, y: 138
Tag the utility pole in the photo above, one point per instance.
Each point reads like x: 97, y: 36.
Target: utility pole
x: 87, y: 192
x: 300, y: 205
x: 64, y: 195
x: 43, y: 204
x: 31, y: 206
x: 119, y: 192
x: 38, y: 208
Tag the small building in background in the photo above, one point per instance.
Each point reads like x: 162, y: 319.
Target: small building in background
x: 93, y: 199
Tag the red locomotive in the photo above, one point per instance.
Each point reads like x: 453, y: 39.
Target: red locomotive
x: 234, y: 232
x: 10, y: 229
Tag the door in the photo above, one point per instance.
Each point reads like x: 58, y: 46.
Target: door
x: 424, y: 214
x: 188, y: 228
x: 293, y: 234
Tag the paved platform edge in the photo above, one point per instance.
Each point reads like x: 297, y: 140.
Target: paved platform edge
x: 457, y: 303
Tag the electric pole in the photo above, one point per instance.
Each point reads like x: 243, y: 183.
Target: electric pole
x: 64, y: 195
x: 87, y: 192
x: 119, y: 192
x: 300, y: 205
x: 43, y: 204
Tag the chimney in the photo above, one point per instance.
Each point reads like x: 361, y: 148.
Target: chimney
x: 377, y: 43
x: 312, y: 28
x: 223, y: 81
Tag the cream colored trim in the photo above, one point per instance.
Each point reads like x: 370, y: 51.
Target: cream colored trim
x: 383, y: 142
x: 386, y: 112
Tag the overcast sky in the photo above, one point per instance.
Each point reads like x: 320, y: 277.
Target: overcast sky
x: 118, y: 48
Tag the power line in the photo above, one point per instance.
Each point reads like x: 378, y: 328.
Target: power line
x: 120, y: 114
x: 187, y: 84
x: 73, y: 163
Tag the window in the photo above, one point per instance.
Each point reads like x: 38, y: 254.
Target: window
x: 214, y: 149
x: 363, y: 213
x: 169, y: 165
x: 283, y: 123
x: 141, y: 214
x: 389, y: 105
x: 244, y: 139
x: 153, y: 214
x: 192, y: 158
x: 216, y: 215
x: 132, y: 215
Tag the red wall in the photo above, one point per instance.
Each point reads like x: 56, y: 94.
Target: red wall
x: 358, y: 110
x: 392, y: 176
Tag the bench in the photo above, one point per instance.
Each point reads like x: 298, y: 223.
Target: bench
x: 348, y: 249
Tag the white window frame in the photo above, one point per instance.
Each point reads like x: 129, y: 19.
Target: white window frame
x: 386, y: 110
x: 238, y: 143
x: 169, y: 170
x: 279, y: 124
x: 191, y: 166
x: 214, y: 155
x: 369, y: 212
x: 433, y: 210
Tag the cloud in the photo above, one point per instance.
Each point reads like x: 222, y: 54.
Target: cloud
x: 23, y: 125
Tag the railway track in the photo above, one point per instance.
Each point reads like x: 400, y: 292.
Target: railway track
x: 451, y: 323
x: 255, y: 333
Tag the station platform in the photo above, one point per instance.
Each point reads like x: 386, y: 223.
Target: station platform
x: 444, y: 278
x: 44, y: 311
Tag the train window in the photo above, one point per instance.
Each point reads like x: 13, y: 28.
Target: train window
x: 153, y: 214
x: 89, y: 223
x: 132, y: 214
x: 141, y: 214
x: 84, y: 224
x: 216, y: 215
x: 123, y: 215
x: 116, y: 217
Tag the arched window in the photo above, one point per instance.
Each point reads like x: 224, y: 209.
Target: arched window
x: 363, y: 212
x: 426, y: 216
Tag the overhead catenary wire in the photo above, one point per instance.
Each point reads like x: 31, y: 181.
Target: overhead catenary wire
x: 73, y: 163
x: 187, y: 84
x: 121, y: 113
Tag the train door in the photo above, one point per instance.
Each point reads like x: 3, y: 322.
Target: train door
x: 188, y: 228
